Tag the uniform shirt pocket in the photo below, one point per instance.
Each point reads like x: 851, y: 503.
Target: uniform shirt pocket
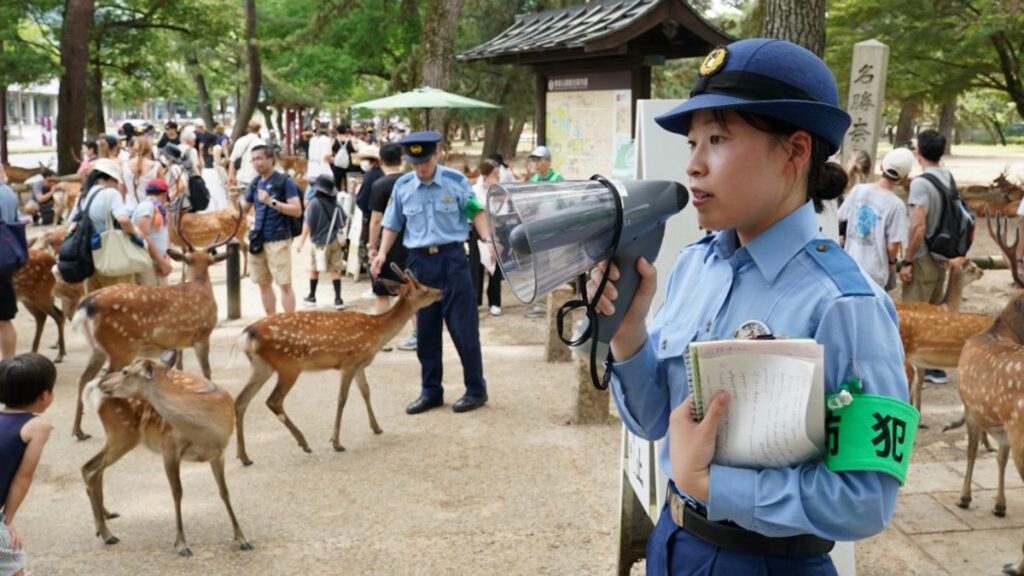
x: 446, y: 205
x: 415, y: 220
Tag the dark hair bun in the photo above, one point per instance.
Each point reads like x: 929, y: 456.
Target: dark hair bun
x: 831, y: 182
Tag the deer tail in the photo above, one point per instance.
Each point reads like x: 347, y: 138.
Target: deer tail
x: 82, y: 322
x: 91, y: 395
x: 243, y: 344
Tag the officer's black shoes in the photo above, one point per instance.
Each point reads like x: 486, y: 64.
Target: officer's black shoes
x: 423, y: 403
x: 467, y: 403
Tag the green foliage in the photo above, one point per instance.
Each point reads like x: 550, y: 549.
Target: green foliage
x: 26, y: 56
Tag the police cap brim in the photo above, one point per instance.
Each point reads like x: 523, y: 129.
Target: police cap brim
x: 824, y: 120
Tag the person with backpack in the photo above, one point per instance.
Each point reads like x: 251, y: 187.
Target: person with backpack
x: 325, y: 219
x: 923, y: 273
x: 102, y: 198
x: 278, y: 205
x: 8, y: 299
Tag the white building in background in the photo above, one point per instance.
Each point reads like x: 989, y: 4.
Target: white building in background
x: 29, y: 104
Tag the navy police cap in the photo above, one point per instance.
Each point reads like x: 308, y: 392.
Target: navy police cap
x: 418, y: 147
x: 772, y: 78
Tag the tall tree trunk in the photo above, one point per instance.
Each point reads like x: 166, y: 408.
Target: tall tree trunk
x: 74, y: 58
x: 252, y: 96
x: 95, y: 122
x: 441, y: 18
x: 799, y: 21
x: 947, y: 119
x: 512, y: 142
x: 467, y: 134
x: 202, y: 94
x: 999, y: 130
x: 905, y: 124
x: 495, y: 133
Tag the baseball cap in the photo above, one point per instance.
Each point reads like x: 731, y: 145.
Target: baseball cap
x: 897, y: 164
x: 541, y: 152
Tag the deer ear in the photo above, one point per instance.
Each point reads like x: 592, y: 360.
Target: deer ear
x: 169, y: 357
x: 148, y: 369
x: 32, y: 241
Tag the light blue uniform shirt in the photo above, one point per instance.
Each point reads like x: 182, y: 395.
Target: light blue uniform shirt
x: 432, y: 211
x: 8, y: 204
x: 715, y: 287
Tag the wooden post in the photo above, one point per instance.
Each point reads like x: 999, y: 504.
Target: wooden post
x: 234, y: 281
x: 591, y: 403
x: 556, y: 350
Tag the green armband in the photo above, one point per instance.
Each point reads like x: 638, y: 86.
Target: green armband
x: 868, y: 432
x: 473, y: 207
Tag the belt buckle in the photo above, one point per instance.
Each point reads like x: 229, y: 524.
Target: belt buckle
x: 677, y: 508
x: 432, y: 250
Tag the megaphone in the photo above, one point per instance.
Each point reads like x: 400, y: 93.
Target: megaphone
x: 547, y: 233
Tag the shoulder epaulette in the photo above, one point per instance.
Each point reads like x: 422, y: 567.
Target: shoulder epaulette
x: 839, y: 266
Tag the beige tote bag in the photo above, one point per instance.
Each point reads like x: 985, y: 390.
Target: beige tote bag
x: 117, y: 254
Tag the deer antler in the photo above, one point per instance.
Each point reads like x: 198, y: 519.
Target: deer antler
x: 177, y: 225
x: 1009, y: 250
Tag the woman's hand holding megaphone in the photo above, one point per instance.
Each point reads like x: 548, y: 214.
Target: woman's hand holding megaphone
x: 632, y: 331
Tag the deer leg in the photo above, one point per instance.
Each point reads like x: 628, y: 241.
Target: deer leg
x: 217, y: 465
x: 91, y: 370
x: 973, y: 432
x: 58, y: 318
x: 261, y: 372
x: 202, y: 349
x: 276, y: 404
x: 918, y: 385
x: 364, y: 389
x: 346, y: 383
x: 40, y: 318
x: 120, y: 441
x: 1001, y: 458
x: 172, y: 466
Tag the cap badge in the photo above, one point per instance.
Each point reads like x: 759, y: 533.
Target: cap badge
x: 415, y: 149
x: 713, y: 61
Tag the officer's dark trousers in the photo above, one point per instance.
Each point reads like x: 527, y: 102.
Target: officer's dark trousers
x: 449, y: 271
x: 674, y: 551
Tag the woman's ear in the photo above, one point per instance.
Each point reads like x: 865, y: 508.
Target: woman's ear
x: 799, y: 149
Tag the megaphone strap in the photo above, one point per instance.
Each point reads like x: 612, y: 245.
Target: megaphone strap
x: 590, y: 305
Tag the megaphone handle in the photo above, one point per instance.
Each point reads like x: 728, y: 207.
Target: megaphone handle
x: 625, y: 258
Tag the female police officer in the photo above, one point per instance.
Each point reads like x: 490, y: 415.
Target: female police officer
x: 761, y: 121
x: 433, y: 203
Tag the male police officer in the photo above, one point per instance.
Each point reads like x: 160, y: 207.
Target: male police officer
x: 433, y: 203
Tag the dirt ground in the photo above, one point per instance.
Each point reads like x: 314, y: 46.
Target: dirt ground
x: 512, y: 488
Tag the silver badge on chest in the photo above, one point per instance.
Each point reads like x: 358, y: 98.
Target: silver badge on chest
x: 751, y: 329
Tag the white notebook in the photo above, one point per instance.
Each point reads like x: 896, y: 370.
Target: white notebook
x: 776, y: 417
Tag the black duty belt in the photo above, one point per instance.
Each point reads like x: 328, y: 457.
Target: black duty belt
x: 438, y: 249
x: 733, y: 537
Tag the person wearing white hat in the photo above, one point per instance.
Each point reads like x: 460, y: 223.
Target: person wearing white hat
x: 539, y: 166
x: 876, y: 218
x: 102, y: 191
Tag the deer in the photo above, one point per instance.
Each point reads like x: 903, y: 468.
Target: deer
x: 33, y: 285
x: 991, y: 382
x: 1009, y: 250
x: 18, y: 175
x: 179, y: 415
x: 69, y: 294
x: 119, y: 322
x: 293, y: 342
x: 203, y: 227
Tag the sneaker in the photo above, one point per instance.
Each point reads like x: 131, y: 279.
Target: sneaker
x: 409, y: 344
x: 339, y: 304
x: 386, y: 348
x: 536, y: 311
x: 936, y: 377
x: 495, y: 310
x: 368, y: 295
x: 309, y: 300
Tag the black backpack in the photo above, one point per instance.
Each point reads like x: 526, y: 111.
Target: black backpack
x: 74, y: 260
x: 955, y: 233
x: 198, y: 193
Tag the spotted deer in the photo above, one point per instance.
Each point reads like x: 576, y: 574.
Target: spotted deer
x: 33, y: 285
x: 293, y: 342
x: 991, y: 381
x: 120, y: 322
x: 173, y: 413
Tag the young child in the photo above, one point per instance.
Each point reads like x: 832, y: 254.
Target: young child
x: 26, y: 390
x: 324, y: 219
x: 761, y: 122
